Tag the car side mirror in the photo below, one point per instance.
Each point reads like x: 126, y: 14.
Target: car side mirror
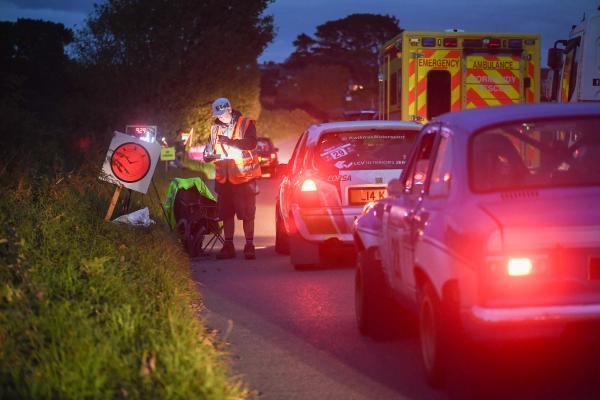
x: 281, y: 170
x: 395, y: 187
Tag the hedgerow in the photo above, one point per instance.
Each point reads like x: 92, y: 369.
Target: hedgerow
x: 97, y: 310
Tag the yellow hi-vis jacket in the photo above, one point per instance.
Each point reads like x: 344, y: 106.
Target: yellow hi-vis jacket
x: 244, y: 166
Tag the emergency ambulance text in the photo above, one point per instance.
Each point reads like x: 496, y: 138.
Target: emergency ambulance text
x: 484, y: 64
x: 438, y: 62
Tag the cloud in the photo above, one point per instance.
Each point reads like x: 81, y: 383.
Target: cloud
x: 81, y: 6
x: 71, y: 18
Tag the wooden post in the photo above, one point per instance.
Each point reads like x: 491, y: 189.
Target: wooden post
x: 161, y: 204
x: 113, y: 203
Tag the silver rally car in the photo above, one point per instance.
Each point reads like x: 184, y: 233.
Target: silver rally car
x: 491, y: 232
x: 335, y: 169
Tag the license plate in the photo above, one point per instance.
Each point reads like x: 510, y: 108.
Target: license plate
x: 365, y: 195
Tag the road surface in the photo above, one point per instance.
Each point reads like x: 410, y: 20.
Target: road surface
x: 292, y: 335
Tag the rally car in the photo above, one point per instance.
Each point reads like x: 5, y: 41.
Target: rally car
x: 492, y: 231
x: 335, y: 169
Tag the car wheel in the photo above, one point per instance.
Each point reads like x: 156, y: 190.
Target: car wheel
x: 372, y: 303
x: 431, y: 328
x: 282, y: 241
x: 304, y: 267
x: 304, y: 255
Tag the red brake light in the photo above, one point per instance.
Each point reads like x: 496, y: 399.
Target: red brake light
x: 308, y: 186
x: 519, y: 267
x: 450, y: 42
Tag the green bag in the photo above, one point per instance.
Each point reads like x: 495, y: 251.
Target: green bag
x: 183, y: 183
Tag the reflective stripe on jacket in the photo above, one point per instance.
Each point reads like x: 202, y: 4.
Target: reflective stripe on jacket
x: 244, y: 167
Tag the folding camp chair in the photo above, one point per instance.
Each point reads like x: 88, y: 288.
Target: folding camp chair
x: 195, y: 215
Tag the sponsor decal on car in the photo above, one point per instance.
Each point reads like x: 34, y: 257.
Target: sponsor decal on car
x: 339, y: 178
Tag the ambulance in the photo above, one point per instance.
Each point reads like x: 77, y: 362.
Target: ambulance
x: 426, y: 74
x: 575, y: 63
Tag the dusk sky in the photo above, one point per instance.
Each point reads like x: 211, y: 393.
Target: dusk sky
x: 552, y: 19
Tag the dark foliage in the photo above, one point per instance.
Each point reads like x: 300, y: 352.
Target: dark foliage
x: 163, y: 62
x: 36, y: 78
x: 342, y: 60
x: 136, y: 61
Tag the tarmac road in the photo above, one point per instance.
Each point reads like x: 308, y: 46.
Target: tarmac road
x: 293, y: 336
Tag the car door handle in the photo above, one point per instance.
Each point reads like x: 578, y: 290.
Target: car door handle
x: 417, y: 222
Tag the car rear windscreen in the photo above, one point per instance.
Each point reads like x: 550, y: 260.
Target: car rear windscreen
x: 359, y: 150
x: 263, y: 145
x: 536, y: 154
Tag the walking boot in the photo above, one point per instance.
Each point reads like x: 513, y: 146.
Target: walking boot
x: 226, y: 252
x: 249, y: 252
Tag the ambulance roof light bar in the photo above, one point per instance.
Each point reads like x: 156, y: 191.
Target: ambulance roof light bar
x: 492, y: 43
x: 472, y: 43
x: 428, y: 42
x: 450, y: 42
x: 515, y: 43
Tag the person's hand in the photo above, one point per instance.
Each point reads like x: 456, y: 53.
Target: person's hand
x: 224, y: 139
x: 211, y: 157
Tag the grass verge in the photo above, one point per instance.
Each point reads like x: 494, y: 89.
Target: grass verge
x: 96, y: 310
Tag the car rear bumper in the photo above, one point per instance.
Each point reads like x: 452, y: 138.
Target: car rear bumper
x: 526, y: 322
x: 268, y: 166
x: 324, y: 224
x: 568, y: 313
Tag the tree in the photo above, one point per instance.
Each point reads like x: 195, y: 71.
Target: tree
x: 353, y: 42
x: 317, y: 89
x: 165, y: 61
x: 352, y: 45
x: 34, y: 66
x: 35, y: 88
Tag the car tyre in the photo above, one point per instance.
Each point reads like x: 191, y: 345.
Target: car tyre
x: 431, y: 333
x: 282, y: 240
x: 304, y: 267
x: 304, y: 255
x: 372, y: 303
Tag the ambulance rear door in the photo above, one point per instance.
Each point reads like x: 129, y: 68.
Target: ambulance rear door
x: 492, y: 80
x: 433, y: 83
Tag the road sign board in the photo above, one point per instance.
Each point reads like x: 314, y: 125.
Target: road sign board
x: 167, y: 153
x: 130, y: 162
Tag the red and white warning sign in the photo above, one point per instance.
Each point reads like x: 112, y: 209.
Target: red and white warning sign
x: 130, y: 162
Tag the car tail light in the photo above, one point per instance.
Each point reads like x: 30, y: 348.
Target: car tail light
x: 308, y: 186
x: 450, y: 42
x: 273, y: 156
x: 519, y: 267
x: 308, y: 196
